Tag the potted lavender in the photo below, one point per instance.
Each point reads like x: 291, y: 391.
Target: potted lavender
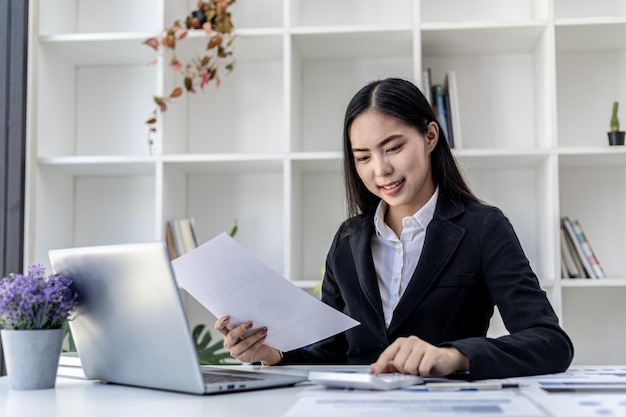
x: 33, y: 309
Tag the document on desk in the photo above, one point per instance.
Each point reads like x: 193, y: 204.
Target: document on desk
x: 228, y: 280
x: 406, y: 403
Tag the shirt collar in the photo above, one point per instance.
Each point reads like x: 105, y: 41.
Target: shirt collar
x: 423, y: 216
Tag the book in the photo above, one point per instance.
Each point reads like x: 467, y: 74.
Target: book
x: 169, y: 241
x: 441, y: 111
x: 427, y: 85
x: 573, y: 268
x: 589, y: 253
x: 177, y: 238
x: 450, y: 89
x: 569, y: 227
x: 180, y: 236
x: 187, y: 235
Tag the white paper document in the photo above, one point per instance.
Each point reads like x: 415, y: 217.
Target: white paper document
x: 401, y: 403
x: 228, y: 280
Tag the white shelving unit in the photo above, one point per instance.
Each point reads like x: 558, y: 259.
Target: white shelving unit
x: 536, y: 82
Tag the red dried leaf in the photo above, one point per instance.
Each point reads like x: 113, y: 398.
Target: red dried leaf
x: 205, y: 79
x: 175, y: 63
x: 152, y: 43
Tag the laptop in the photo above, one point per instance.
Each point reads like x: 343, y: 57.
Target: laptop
x: 130, y: 327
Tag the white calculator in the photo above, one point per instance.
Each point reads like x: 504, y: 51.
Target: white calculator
x: 363, y: 380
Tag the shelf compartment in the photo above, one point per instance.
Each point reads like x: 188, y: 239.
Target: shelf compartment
x: 216, y: 198
x: 507, y: 79
x: 208, y: 121
x: 326, y: 74
x: 591, y: 317
x: 330, y: 13
x: 523, y: 203
x: 483, y: 11
x: 86, y: 16
x: 90, y: 208
x: 596, y: 196
x: 590, y: 68
x: 317, y: 210
x: 91, y: 109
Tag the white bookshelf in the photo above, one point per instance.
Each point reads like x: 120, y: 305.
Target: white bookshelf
x: 536, y: 80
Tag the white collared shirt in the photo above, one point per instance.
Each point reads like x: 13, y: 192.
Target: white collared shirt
x: 395, y: 259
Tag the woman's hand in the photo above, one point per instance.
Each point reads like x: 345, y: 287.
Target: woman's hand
x: 412, y: 355
x: 247, y: 348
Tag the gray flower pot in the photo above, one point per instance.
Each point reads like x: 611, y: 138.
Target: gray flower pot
x: 32, y: 357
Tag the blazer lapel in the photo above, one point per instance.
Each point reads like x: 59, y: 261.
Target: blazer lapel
x: 364, y: 264
x: 442, y: 239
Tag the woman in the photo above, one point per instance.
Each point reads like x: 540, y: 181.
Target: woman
x: 420, y: 262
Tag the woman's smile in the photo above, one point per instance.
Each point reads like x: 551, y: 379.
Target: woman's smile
x: 393, y: 187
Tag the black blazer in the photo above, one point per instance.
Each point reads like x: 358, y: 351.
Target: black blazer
x: 471, y: 261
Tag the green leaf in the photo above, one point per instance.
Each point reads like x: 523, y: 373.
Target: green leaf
x: 234, y: 229
x: 208, y: 354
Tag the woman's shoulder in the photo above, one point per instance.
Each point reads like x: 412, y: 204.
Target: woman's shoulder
x: 468, y: 208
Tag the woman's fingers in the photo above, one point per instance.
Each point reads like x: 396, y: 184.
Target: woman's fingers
x: 248, y: 345
x: 221, y: 323
x: 236, y: 335
x: 243, y: 342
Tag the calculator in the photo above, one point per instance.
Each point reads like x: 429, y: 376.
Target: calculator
x: 363, y: 380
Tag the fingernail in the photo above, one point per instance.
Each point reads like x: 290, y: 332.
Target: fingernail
x: 263, y: 331
x: 248, y: 325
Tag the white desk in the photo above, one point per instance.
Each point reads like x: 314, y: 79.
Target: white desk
x: 75, y: 398
x: 79, y: 398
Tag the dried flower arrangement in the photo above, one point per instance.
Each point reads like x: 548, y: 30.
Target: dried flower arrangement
x: 214, y: 18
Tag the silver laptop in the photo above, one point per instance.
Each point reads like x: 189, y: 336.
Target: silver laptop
x: 130, y: 327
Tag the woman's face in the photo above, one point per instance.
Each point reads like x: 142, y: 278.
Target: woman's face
x: 393, y: 160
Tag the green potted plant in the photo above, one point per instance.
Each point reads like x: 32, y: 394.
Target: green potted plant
x: 616, y: 136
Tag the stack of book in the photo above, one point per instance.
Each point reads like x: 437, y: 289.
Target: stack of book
x: 180, y: 237
x: 444, y: 99
x: 578, y: 260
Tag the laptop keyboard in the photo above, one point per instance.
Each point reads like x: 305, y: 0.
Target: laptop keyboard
x: 209, y: 378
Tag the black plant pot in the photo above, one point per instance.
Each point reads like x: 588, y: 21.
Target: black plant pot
x: 616, y: 138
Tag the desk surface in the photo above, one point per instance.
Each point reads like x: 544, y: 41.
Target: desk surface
x: 79, y: 398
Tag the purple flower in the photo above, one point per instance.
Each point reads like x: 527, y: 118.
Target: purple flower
x: 36, y: 301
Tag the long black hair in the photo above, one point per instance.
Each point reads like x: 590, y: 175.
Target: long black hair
x: 402, y: 100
